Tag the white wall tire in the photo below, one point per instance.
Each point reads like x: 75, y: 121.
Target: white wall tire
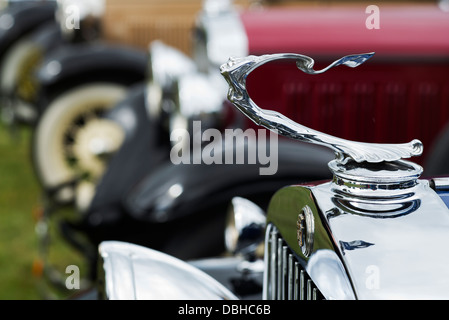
x: 63, y: 130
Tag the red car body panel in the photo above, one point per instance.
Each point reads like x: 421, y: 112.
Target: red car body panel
x: 400, y: 94
x: 419, y: 30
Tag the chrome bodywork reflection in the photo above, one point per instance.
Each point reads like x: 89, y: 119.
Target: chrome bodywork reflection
x: 245, y: 227
x: 179, y: 94
x: 166, y: 64
x: 132, y: 272
x: 407, y: 250
x: 219, y: 34
x: 389, y: 247
x: 199, y: 98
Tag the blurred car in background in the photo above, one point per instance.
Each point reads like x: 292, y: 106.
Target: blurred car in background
x: 19, y: 22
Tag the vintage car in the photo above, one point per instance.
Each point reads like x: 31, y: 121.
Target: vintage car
x: 366, y: 234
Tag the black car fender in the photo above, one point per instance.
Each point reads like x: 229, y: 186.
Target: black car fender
x: 77, y: 63
x: 202, y: 186
x: 182, y: 209
x: 145, y: 146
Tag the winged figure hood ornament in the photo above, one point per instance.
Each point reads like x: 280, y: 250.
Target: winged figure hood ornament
x: 236, y: 70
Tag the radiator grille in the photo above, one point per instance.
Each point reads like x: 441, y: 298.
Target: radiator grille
x: 285, y: 278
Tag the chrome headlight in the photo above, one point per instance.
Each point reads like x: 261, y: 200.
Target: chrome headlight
x: 165, y: 65
x: 245, y: 227
x: 218, y: 35
x: 199, y: 100
x: 130, y: 272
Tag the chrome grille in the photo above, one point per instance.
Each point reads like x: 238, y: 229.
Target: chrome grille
x: 285, y: 278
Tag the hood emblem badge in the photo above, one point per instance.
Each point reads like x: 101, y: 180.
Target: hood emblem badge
x: 305, y: 228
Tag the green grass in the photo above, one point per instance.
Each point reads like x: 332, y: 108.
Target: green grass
x: 20, y: 195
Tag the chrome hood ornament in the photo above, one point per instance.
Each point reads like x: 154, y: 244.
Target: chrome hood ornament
x: 371, y: 219
x: 236, y: 70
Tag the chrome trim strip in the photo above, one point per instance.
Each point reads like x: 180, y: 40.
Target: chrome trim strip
x: 309, y: 289
x: 222, y: 34
x: 301, y: 285
x: 279, y: 282
x: 270, y: 256
x: 284, y: 271
x: 290, y: 277
x: 296, y: 281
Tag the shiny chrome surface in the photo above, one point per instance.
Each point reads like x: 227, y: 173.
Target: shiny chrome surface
x: 441, y: 187
x: 403, y: 239
x: 440, y: 183
x: 389, y: 248
x: 200, y: 97
x: 361, y: 176
x: 219, y: 34
x: 236, y: 72
x: 197, y: 97
x: 177, y: 89
x: 166, y: 64
x: 132, y: 272
x: 245, y: 227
